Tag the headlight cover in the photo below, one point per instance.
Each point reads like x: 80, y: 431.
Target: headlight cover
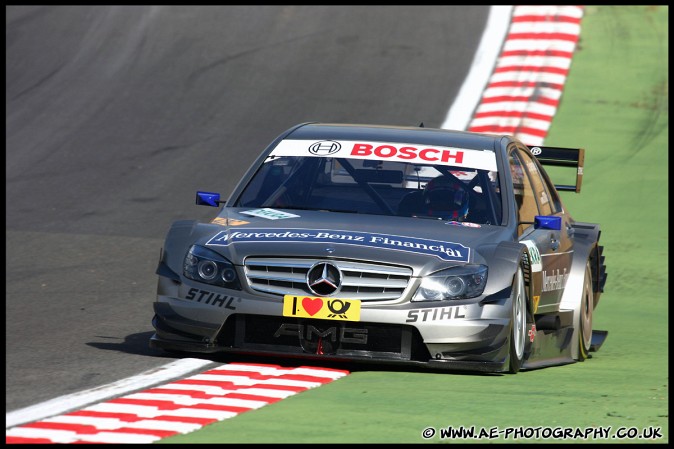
x: 460, y: 282
x: 203, y: 265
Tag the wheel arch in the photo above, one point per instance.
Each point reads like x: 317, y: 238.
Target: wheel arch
x: 586, y: 251
x: 505, y: 258
x: 533, y: 274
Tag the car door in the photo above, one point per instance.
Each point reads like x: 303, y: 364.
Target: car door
x: 536, y: 198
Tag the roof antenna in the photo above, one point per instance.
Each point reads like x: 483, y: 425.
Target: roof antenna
x: 421, y: 124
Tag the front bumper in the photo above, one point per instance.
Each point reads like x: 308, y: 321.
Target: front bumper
x: 338, y: 341
x: 469, y: 335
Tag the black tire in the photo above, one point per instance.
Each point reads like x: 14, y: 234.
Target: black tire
x: 518, y: 324
x: 585, y: 316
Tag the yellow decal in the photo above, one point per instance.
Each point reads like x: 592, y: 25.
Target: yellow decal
x: 228, y: 222
x: 323, y: 308
x: 536, y: 300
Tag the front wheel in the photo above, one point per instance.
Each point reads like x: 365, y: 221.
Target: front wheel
x: 518, y: 323
x: 585, y: 316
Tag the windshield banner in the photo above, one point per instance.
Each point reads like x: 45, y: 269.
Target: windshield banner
x: 387, y: 151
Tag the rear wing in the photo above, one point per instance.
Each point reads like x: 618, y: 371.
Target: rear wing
x: 562, y: 157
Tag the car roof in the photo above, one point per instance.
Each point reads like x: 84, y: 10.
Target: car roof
x: 402, y: 134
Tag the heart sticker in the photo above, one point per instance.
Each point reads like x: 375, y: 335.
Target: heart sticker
x: 312, y: 305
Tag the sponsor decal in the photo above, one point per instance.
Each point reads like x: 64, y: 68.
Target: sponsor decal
x: 325, y: 148
x: 536, y: 151
x: 270, y: 214
x: 333, y: 334
x: 443, y: 250
x: 407, y: 152
x: 435, y: 314
x: 534, y: 256
x: 380, y: 151
x: 537, y: 299
x: 325, y: 308
x: 212, y: 299
x: 532, y: 333
x: 464, y: 223
x: 555, y: 281
x: 228, y: 221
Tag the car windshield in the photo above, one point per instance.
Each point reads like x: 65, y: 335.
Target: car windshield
x: 375, y: 186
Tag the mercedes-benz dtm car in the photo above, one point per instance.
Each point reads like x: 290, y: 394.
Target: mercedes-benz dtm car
x: 384, y: 244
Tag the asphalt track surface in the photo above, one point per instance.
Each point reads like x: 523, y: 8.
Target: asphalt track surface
x: 116, y: 115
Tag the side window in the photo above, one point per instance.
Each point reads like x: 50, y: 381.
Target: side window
x: 537, y: 182
x: 555, y: 202
x: 527, y: 208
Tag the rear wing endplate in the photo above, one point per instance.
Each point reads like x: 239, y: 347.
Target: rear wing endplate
x: 562, y: 157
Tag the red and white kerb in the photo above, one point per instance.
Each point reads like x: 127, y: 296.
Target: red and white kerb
x: 178, y: 407
x: 525, y: 88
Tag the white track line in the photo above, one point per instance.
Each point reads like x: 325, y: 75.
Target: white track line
x: 527, y: 80
x: 483, y: 63
x: 81, y: 399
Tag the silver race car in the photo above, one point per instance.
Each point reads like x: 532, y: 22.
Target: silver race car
x: 384, y: 244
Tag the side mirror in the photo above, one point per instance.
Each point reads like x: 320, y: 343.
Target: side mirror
x: 209, y: 199
x: 548, y: 222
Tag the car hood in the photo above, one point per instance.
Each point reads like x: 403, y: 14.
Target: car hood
x: 423, y: 244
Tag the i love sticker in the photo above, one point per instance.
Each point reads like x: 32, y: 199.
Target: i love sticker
x: 322, y: 308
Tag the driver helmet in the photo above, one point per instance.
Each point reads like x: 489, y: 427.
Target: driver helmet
x: 446, y: 198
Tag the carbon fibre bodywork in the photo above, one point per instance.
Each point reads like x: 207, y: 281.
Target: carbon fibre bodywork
x: 350, y: 275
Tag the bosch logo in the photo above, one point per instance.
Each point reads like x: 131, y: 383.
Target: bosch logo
x: 536, y: 151
x: 406, y: 152
x: 324, y: 148
x: 324, y: 279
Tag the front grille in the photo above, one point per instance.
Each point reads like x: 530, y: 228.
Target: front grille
x: 360, y: 340
x: 263, y: 330
x: 360, y: 280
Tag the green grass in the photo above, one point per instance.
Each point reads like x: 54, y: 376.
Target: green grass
x: 615, y: 105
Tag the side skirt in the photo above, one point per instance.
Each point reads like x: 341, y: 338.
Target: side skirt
x: 549, y: 348
x: 598, y: 338
x: 553, y: 341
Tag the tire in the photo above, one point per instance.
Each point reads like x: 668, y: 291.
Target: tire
x: 518, y: 324
x: 585, y: 316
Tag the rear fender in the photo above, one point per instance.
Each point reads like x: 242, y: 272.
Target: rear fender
x: 587, y: 247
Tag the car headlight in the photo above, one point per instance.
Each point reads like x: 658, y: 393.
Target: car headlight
x: 461, y: 282
x: 203, y: 265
